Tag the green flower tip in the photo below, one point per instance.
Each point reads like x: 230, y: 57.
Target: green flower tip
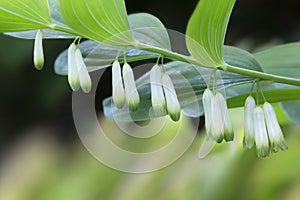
x: 172, y: 103
x: 263, y: 151
x: 38, y: 54
x: 118, y: 95
x: 131, y: 94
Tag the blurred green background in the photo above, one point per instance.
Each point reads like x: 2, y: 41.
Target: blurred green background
x: 41, y: 156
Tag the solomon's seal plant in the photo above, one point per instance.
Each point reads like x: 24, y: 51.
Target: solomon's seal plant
x: 109, y: 32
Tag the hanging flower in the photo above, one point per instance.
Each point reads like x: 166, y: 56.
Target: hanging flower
x: 118, y: 95
x: 228, y: 129
x: 249, y: 136
x: 131, y: 93
x: 72, y: 68
x: 206, y: 101
x: 217, y: 117
x: 173, y: 106
x: 261, y: 135
x: 217, y: 120
x: 274, y: 131
x: 157, y: 93
x: 38, y: 54
x: 83, y: 74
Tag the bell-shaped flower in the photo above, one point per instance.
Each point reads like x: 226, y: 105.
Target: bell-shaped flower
x: 72, y: 68
x: 228, y: 129
x: 206, y: 101
x: 218, y: 120
x: 261, y: 135
x: 173, y: 106
x: 157, y: 93
x: 274, y: 131
x: 131, y: 93
x: 83, y: 74
x: 38, y: 54
x: 249, y: 137
x: 118, y: 93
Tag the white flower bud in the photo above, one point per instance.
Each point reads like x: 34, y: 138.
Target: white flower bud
x: 228, y: 129
x: 249, y: 136
x: 83, y: 74
x: 38, y: 54
x: 274, y: 131
x: 72, y: 68
x: 157, y: 93
x: 217, y: 115
x: 261, y: 136
x: 206, y: 101
x: 118, y: 95
x: 173, y: 106
x: 131, y: 93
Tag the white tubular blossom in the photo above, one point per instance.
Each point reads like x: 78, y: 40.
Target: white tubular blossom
x: 206, y: 101
x: 118, y: 93
x: 173, y: 106
x: 38, y: 54
x: 72, y: 69
x: 217, y: 115
x: 83, y: 74
x: 131, y: 93
x: 274, y: 131
x: 249, y: 137
x: 228, y: 129
x: 261, y: 136
x: 157, y: 93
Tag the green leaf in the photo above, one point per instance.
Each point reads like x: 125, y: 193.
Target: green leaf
x: 190, y: 83
x: 292, y: 109
x: 98, y: 56
x: 99, y: 20
x: 23, y: 15
x: 278, y: 59
x: 56, y: 19
x: 145, y: 28
x: 206, y: 31
x: 284, y: 60
x: 150, y: 30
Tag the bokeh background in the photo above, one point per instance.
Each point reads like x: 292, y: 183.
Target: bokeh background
x: 41, y: 156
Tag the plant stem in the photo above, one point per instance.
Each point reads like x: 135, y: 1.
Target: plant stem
x: 237, y: 70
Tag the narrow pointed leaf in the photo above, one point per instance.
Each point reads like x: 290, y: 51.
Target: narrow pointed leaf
x: 206, y: 31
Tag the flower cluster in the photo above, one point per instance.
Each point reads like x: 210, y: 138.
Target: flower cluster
x: 126, y: 91
x: 78, y: 75
x: 262, y: 128
x: 217, y: 121
x: 163, y: 94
